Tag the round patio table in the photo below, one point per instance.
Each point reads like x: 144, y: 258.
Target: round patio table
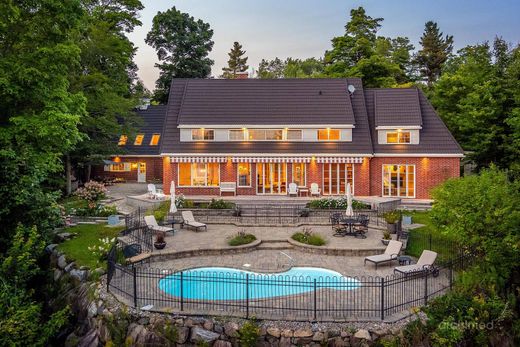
x: 349, y: 221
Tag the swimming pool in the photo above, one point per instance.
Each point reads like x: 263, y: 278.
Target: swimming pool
x: 219, y: 283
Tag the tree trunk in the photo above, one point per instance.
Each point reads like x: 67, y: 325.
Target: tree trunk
x: 68, y: 176
x: 89, y: 169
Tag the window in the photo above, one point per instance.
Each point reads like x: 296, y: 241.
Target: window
x: 274, y: 135
x: 335, y: 178
x: 294, y: 134
x: 399, y: 180
x: 122, y: 140
x: 265, y: 134
x: 202, y: 134
x: 244, y: 175
x: 328, y: 134
x: 398, y: 137
x: 236, y: 135
x: 138, y: 140
x: 155, y: 139
x: 199, y: 174
x: 298, y: 174
x: 256, y: 134
x: 119, y: 167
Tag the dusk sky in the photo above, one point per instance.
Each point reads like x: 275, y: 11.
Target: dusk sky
x: 304, y: 28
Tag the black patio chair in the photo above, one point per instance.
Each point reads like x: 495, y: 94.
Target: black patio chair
x: 361, y: 227
x: 338, y: 229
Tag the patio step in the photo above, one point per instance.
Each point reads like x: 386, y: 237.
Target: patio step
x: 274, y: 245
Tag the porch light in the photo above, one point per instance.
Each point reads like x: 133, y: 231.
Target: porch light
x: 134, y: 166
x: 117, y: 159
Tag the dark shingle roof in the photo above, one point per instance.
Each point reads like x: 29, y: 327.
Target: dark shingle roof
x: 397, y: 107
x: 153, y: 122
x: 266, y: 101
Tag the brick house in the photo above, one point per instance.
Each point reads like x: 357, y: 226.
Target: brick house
x: 264, y: 134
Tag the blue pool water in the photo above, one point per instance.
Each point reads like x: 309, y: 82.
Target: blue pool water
x: 219, y: 283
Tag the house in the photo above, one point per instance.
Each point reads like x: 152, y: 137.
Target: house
x: 264, y: 134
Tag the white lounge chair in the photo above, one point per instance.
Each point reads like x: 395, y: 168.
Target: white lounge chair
x: 391, y: 253
x: 315, y: 189
x: 152, y: 224
x: 293, y: 189
x: 153, y: 194
x: 190, y: 221
x: 425, y: 263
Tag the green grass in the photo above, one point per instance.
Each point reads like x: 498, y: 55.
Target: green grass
x: 72, y: 202
x: 309, y: 239
x: 241, y: 239
x: 88, y: 235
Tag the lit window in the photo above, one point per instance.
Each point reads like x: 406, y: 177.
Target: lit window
x: 328, y: 134
x: 236, y: 135
x: 399, y: 180
x: 398, y: 137
x: 244, y: 175
x: 202, y: 134
x: 294, y: 134
x: 265, y: 134
x: 119, y: 167
x: 199, y: 174
x: 155, y: 139
x: 256, y: 134
x: 122, y: 140
x: 274, y: 135
x: 298, y: 174
x: 138, y: 140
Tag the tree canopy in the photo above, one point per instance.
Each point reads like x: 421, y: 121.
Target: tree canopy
x: 236, y: 63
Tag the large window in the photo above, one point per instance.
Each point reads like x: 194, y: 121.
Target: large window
x: 119, y: 167
x: 265, y: 134
x: 399, y: 180
x: 202, y: 134
x: 328, y: 134
x: 236, y: 135
x: 298, y: 174
x: 199, y: 174
x: 244, y: 175
x: 398, y: 137
x: 294, y: 134
x: 335, y: 178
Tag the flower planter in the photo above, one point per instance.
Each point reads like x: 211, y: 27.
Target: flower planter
x: 385, y: 242
x: 159, y: 245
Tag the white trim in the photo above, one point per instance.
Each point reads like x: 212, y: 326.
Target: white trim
x: 250, y: 176
x: 264, y: 126
x: 137, y: 155
x: 406, y: 180
x: 431, y: 155
x: 404, y: 127
x: 263, y: 179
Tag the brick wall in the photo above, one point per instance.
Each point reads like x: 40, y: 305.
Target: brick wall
x: 154, y: 169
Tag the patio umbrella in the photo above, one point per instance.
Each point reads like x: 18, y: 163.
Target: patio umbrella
x: 173, y: 207
x: 350, y: 211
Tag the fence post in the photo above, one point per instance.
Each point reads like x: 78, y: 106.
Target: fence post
x: 182, y: 291
x: 382, y: 298
x: 134, y: 271
x: 426, y: 287
x: 247, y: 295
x: 315, y: 300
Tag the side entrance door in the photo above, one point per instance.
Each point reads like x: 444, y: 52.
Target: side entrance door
x: 141, y: 172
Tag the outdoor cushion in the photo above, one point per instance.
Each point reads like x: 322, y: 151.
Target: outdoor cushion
x: 152, y: 224
x: 391, y: 253
x: 424, y: 263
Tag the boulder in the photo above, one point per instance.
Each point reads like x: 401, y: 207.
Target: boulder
x: 136, y: 333
x: 221, y: 343
x: 91, y: 339
x: 62, y: 262
x: 208, y: 324
x: 57, y: 274
x: 182, y: 335
x: 199, y: 334
x: 218, y: 328
x: 319, y: 336
x: 144, y: 321
x: 50, y: 247
x: 79, y: 275
x: 273, y: 331
x: 231, y: 329
x: 303, y: 333
x: 285, y: 342
x: 63, y: 236
x: 337, y: 342
x: 287, y: 333
x: 92, y: 310
x: 363, y: 334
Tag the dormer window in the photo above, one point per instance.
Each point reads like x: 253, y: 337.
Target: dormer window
x: 398, y: 137
x: 328, y: 134
x: 139, y: 140
x: 122, y: 140
x: 155, y: 139
x: 202, y: 134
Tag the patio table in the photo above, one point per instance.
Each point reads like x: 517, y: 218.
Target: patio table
x: 172, y: 222
x: 350, y: 223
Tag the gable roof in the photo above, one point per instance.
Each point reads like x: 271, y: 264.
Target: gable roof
x: 265, y: 101
x: 397, y: 107
x: 153, y: 123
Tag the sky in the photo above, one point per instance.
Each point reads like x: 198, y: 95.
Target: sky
x: 304, y: 28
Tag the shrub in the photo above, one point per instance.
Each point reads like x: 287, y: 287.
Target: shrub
x: 386, y: 235
x: 308, y: 237
x: 332, y: 203
x: 242, y: 238
x: 392, y: 217
x: 220, y: 204
x: 92, y: 191
x: 248, y: 334
x: 101, y: 251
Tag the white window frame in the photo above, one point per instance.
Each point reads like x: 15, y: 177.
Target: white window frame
x: 399, y: 134
x: 384, y: 194
x: 328, y: 135
x: 204, y: 130
x: 286, y: 132
x: 110, y: 168
x: 330, y: 178
x: 304, y: 173
x: 250, y: 176
x: 244, y: 134
x: 191, y: 176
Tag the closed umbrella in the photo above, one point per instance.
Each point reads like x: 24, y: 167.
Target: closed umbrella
x: 173, y: 207
x: 350, y: 211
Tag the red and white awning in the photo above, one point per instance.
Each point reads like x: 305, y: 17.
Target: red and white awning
x: 340, y: 160
x: 271, y: 159
x: 199, y: 159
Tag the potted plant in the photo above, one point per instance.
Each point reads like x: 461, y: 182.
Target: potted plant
x: 392, y: 218
x: 386, y: 238
x: 159, y: 242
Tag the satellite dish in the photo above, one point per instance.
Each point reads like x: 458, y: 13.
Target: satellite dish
x: 351, y: 89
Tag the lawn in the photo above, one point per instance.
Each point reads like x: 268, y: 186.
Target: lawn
x: 88, y: 235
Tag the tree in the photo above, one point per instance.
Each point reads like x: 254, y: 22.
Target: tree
x: 236, y: 63
x: 291, y: 68
x: 182, y: 44
x: 435, y: 51
x: 271, y: 68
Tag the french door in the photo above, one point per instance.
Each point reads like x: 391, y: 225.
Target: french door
x: 271, y: 178
x: 335, y: 178
x: 399, y: 180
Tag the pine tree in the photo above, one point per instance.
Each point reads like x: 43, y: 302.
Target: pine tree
x: 435, y: 51
x: 236, y: 63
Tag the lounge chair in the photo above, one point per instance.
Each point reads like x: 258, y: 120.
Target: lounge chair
x: 190, y: 221
x: 391, y: 253
x: 152, y: 224
x: 293, y: 189
x: 425, y: 263
x: 315, y: 189
x: 153, y: 194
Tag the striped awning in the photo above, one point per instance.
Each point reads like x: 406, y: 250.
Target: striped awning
x: 199, y: 159
x: 348, y: 160
x: 271, y: 159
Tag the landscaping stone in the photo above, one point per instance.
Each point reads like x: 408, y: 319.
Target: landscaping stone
x: 91, y: 339
x: 198, y: 335
x: 218, y: 328
x: 144, y: 321
x: 92, y: 310
x: 64, y: 236
x: 208, y: 324
x: 363, y: 334
x: 62, y: 262
x: 231, y: 329
x: 51, y: 247
x: 285, y: 342
x: 274, y: 332
x: 70, y: 266
x: 318, y: 336
x: 337, y: 342
x: 303, y: 333
x: 182, y: 335
x: 221, y: 343
x: 287, y: 333
x: 57, y: 275
x: 79, y: 275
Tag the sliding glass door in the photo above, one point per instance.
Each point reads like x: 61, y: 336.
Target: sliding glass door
x: 271, y: 178
x: 399, y: 180
x: 335, y: 178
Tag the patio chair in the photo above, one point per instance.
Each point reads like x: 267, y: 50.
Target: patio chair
x: 153, y: 194
x: 190, y: 221
x: 361, y: 227
x: 425, y: 263
x: 338, y: 229
x: 315, y: 189
x: 152, y: 224
x: 293, y: 189
x: 391, y: 253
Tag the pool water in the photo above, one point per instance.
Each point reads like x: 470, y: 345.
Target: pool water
x: 219, y: 283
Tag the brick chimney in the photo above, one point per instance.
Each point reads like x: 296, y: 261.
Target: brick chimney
x: 242, y: 75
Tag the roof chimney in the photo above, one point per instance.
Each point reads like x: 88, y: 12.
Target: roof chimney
x: 242, y: 75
